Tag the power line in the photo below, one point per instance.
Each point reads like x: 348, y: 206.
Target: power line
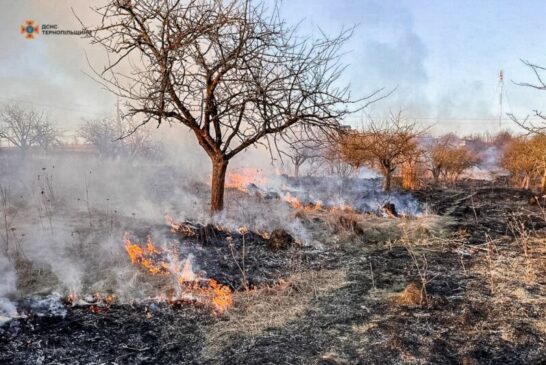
x: 445, y: 118
x: 41, y: 105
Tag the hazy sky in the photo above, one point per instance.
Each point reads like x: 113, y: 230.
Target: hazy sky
x: 443, y: 57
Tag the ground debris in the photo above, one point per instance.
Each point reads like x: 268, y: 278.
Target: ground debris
x: 339, y: 304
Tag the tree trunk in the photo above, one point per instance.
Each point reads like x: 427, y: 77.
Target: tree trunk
x: 387, y: 181
x: 297, y: 169
x: 543, y: 182
x: 525, y: 182
x: 219, y: 168
x: 436, y: 175
x: 23, y: 152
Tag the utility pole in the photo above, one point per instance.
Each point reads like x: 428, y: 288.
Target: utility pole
x: 501, y: 90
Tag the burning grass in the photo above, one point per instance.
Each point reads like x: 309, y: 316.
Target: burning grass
x: 356, y: 296
x: 188, y: 287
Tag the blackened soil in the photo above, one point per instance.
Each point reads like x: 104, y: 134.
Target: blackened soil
x: 482, y: 211
x: 124, y: 334
x: 465, y: 320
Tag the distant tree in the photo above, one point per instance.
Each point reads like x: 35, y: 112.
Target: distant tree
x: 438, y: 154
x: 458, y: 159
x: 502, y: 139
x: 305, y: 145
x: 525, y: 159
x: 106, y: 135
x: 232, y: 72
x: 448, y: 157
x: 386, y: 145
x: 26, y: 128
x: 516, y: 160
x: 333, y: 162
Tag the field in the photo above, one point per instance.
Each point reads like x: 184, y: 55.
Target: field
x: 461, y: 281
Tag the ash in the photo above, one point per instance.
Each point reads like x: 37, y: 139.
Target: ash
x: 355, y: 301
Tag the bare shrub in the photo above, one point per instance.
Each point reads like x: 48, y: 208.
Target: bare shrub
x: 524, y: 159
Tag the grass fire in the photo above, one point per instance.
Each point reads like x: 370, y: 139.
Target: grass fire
x: 222, y: 182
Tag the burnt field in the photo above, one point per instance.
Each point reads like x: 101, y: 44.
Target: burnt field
x: 463, y: 282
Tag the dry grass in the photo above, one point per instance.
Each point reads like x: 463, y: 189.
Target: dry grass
x: 412, y: 296
x: 258, y: 309
x: 348, y: 225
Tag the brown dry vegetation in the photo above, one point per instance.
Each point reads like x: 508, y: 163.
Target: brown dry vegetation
x: 448, y: 159
x: 385, y: 145
x: 465, y: 285
x: 525, y: 160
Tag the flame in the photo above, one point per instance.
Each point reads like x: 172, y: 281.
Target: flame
x: 185, y: 229
x: 144, y: 256
x: 293, y: 201
x: 221, y: 298
x: 242, y: 178
x: 71, y: 298
x: 165, y: 262
x: 97, y: 303
x: 317, y: 206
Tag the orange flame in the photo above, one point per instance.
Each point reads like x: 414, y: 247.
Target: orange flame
x: 293, y: 201
x: 179, y: 227
x: 144, y: 256
x: 317, y: 206
x: 161, y: 261
x: 297, y: 204
x: 242, y: 178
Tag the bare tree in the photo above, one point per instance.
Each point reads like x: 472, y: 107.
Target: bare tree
x: 103, y: 134
x: 334, y: 162
x: 106, y: 136
x: 386, y: 145
x: 457, y: 160
x: 305, y: 145
x: 438, y: 154
x: 231, y: 71
x: 26, y: 128
x: 533, y: 126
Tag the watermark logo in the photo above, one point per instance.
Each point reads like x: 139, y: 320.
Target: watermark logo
x: 29, y: 29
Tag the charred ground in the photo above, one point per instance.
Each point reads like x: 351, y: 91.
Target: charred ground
x: 356, y: 299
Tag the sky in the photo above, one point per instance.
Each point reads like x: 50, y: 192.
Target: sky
x: 442, y: 57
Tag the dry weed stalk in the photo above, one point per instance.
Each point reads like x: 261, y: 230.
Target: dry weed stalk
x: 47, y: 198
x: 87, y: 203
x: 490, y: 252
x: 373, y: 280
x: 523, y: 238
x: 241, y: 269
x: 421, y: 264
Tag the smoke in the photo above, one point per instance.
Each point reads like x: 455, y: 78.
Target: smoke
x: 7, y: 289
x: 68, y: 211
x: 49, y: 72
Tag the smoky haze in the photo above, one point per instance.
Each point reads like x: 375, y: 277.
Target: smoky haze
x: 64, y: 215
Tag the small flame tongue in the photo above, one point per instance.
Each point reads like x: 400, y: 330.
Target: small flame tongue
x: 187, y: 271
x: 182, y: 272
